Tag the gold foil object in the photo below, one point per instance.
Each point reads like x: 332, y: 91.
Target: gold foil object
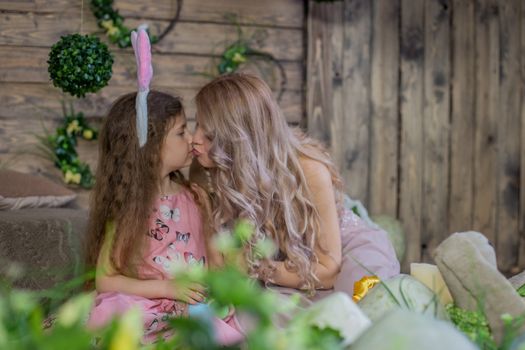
x: 362, y: 286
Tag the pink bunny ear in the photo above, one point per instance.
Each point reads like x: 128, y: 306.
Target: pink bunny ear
x: 142, y: 48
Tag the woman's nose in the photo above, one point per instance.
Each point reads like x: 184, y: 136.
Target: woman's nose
x: 189, y: 138
x: 197, y: 136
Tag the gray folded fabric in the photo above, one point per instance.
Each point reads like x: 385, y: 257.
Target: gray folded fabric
x: 468, y: 265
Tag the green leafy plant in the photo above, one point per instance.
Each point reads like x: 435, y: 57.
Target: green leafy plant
x: 112, y: 22
x: 241, y: 51
x: 80, y: 64
x: 60, y: 147
x: 474, y: 324
x: 513, y: 326
x: 25, y: 324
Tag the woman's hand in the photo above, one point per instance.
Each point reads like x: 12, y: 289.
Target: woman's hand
x: 266, y: 271
x: 189, y: 293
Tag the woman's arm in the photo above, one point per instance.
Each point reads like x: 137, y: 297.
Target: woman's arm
x: 108, y: 280
x: 215, y: 258
x: 319, y: 182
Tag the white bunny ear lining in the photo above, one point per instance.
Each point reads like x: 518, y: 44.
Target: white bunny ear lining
x: 141, y: 107
x: 142, y: 48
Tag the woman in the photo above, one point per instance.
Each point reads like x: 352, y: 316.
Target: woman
x: 287, y: 186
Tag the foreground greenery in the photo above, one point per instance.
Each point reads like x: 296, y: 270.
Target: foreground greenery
x: 23, y: 315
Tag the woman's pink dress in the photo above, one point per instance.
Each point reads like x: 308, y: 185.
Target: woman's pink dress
x: 366, y: 251
x: 175, y: 236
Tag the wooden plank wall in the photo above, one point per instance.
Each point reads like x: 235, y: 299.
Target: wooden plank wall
x: 28, y: 101
x: 422, y: 103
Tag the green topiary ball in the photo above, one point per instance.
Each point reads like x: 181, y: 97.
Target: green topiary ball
x: 79, y: 64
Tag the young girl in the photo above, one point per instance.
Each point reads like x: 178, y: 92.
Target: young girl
x: 286, y: 184
x: 143, y: 219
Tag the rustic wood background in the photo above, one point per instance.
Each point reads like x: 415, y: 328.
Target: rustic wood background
x: 29, y: 102
x: 422, y: 103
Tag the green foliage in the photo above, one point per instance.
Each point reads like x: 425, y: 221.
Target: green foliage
x: 61, y: 147
x: 242, y: 51
x: 112, y: 22
x: 22, y: 316
x: 79, y: 64
x: 474, y: 324
x: 233, y: 57
x: 512, y: 329
x: 521, y: 291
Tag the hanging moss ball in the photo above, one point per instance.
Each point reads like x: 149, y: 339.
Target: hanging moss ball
x: 80, y: 64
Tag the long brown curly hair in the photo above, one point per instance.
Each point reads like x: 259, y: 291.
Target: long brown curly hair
x: 258, y: 175
x: 127, y: 178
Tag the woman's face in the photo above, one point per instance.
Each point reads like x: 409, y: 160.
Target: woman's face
x: 201, y: 147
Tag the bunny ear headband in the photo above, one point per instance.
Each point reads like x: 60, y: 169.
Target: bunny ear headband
x: 142, y: 48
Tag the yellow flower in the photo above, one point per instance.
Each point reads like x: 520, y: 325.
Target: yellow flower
x: 75, y: 310
x: 107, y: 24
x: 113, y: 31
x: 87, y: 134
x: 71, y: 177
x: 110, y: 27
x: 129, y: 331
x: 238, y: 58
x: 73, y: 127
x: 77, y: 178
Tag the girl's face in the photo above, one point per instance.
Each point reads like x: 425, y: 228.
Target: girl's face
x: 201, y: 147
x: 176, y: 150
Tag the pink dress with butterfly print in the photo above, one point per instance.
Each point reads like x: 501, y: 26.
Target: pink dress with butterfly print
x: 175, y: 235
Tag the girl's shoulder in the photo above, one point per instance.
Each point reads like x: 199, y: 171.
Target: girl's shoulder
x: 182, y: 195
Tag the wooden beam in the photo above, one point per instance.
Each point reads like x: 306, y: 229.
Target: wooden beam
x: 356, y: 105
x: 436, y: 127
x: 281, y: 13
x: 412, y: 84
x: 384, y: 120
x: 27, y: 101
x: 29, y: 65
x: 508, y: 120
x: 41, y: 30
x: 487, y: 114
x: 462, y: 119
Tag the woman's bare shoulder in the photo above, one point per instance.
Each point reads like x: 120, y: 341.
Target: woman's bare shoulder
x: 315, y: 172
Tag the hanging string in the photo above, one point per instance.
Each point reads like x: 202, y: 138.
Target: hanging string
x: 81, y: 16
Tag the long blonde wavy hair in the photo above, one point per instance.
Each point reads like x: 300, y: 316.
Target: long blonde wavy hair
x: 258, y: 174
